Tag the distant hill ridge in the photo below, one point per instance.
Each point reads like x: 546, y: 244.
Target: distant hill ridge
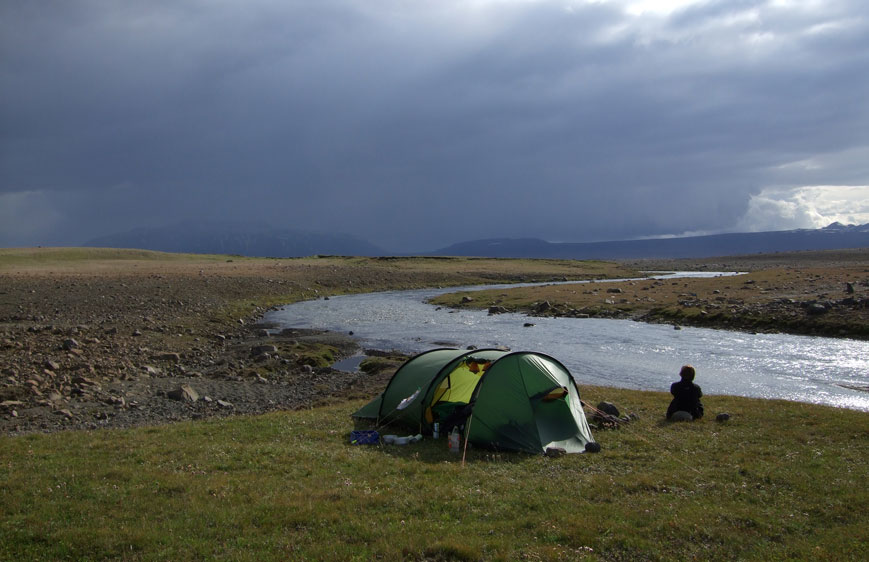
x: 238, y: 238
x: 832, y: 237
x: 258, y: 240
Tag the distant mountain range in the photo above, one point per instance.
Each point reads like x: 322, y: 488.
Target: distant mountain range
x: 238, y: 239
x: 835, y: 236
x: 265, y: 241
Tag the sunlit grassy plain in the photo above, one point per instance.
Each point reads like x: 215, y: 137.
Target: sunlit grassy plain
x: 94, y: 260
x: 780, y: 480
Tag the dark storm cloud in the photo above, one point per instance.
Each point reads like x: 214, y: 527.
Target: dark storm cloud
x: 417, y: 125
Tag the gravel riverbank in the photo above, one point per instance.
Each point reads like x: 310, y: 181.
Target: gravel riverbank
x: 114, y: 339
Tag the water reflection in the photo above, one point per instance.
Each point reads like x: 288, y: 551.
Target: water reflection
x: 619, y: 353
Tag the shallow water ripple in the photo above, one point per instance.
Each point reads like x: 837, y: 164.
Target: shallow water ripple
x: 618, y: 353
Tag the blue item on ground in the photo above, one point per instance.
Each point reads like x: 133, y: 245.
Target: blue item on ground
x: 364, y: 437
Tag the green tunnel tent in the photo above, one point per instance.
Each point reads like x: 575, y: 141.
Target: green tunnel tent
x: 520, y: 401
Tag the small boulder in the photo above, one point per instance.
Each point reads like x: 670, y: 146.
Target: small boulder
x: 722, y: 417
x: 263, y: 349
x: 815, y: 309
x: 70, y: 344
x: 184, y: 393
x: 466, y: 299
x: 681, y: 416
x: 608, y: 408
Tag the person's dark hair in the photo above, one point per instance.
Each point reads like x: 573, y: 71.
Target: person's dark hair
x: 687, y: 373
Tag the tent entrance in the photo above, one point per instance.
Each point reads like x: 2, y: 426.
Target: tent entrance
x: 455, y: 392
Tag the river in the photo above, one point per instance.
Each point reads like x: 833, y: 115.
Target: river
x: 619, y: 353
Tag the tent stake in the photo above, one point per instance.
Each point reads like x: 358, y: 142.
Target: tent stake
x: 467, y: 432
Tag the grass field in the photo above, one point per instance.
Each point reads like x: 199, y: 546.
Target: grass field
x: 778, y: 481
x: 79, y: 256
x: 88, y: 260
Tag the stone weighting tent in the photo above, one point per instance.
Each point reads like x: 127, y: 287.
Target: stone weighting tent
x: 520, y: 401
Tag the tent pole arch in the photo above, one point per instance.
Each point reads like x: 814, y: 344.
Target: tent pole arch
x: 448, y: 369
x: 380, y: 414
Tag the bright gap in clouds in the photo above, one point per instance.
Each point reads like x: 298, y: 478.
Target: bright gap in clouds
x: 805, y: 207
x: 659, y: 7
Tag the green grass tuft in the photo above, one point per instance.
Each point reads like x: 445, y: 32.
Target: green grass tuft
x: 780, y: 480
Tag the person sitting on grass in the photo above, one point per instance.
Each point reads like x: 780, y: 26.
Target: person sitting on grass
x: 685, y: 405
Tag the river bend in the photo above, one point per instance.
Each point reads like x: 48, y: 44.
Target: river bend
x: 619, y: 353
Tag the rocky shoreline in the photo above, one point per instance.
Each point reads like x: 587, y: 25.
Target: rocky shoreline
x: 819, y: 293
x: 136, y: 367
x: 243, y: 373
x: 843, y: 312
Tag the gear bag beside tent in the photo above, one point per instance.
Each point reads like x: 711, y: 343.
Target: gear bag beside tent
x: 520, y: 401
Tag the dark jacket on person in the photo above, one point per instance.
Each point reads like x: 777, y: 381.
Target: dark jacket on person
x: 686, y: 397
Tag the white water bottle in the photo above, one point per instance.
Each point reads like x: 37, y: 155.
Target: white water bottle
x: 455, y: 441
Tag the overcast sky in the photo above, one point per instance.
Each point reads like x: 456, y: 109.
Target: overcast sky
x: 418, y: 124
